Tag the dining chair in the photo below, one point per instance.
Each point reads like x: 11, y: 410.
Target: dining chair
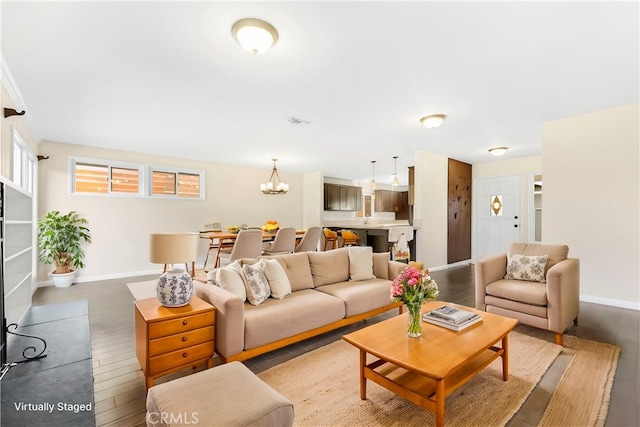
x: 283, y: 243
x: 349, y: 238
x: 248, y: 244
x: 330, y: 237
x: 310, y: 240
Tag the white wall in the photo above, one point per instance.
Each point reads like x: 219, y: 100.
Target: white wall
x: 591, y: 200
x: 430, y: 208
x: 120, y: 226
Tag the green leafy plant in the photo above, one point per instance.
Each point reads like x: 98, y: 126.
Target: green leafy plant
x: 60, y: 238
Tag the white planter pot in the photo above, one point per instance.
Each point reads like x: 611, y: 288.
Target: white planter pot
x: 63, y: 280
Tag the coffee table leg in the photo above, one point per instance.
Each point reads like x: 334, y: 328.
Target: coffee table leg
x: 440, y: 403
x: 363, y: 380
x: 505, y: 358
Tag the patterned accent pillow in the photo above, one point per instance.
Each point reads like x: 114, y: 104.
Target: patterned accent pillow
x: 529, y: 268
x: 256, y: 284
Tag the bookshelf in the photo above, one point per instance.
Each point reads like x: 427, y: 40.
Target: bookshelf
x: 17, y: 231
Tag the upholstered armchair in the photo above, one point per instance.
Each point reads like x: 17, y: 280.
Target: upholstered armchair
x: 536, y: 284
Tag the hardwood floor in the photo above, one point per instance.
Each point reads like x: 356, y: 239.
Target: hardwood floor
x: 119, y: 384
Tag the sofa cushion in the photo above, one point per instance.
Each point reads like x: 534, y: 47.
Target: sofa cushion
x: 230, y: 279
x: 256, y: 284
x: 381, y: 265
x: 276, y: 319
x: 555, y: 253
x: 297, y: 268
x: 277, y: 278
x: 360, y: 263
x: 360, y: 297
x: 528, y: 268
x: 534, y: 293
x: 329, y: 266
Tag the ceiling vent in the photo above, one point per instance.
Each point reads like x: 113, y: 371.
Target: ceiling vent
x: 297, y: 121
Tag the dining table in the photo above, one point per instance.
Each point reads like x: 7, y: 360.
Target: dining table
x: 225, y: 239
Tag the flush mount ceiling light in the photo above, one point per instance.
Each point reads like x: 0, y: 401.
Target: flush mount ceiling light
x: 275, y: 184
x: 395, y: 171
x: 373, y: 174
x: 254, y: 35
x: 498, y: 151
x: 433, y: 121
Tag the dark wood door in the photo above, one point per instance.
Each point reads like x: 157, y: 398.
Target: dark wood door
x: 459, y: 212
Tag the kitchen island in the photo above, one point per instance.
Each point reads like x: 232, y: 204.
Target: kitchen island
x: 374, y: 235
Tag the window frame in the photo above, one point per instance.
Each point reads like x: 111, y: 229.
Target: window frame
x: 145, y: 178
x: 23, y: 163
x: 177, y: 171
x: 109, y: 164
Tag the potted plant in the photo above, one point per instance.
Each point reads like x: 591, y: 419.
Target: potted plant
x: 59, y: 239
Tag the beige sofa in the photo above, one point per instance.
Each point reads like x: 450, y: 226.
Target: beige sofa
x: 546, y: 296
x: 323, y: 297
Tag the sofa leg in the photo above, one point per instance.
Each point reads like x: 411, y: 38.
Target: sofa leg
x: 559, y: 339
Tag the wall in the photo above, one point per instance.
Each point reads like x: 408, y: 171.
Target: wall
x: 120, y: 226
x: 430, y: 209
x: 591, y: 200
x: 522, y: 166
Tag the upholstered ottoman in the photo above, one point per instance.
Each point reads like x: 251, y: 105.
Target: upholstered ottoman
x: 226, y: 395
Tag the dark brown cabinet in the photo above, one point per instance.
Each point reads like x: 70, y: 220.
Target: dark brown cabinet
x: 393, y: 201
x: 342, y: 198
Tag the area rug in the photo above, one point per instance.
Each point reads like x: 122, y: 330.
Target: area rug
x: 324, y: 387
x: 582, y: 397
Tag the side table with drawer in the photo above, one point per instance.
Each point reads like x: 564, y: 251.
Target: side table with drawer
x: 171, y: 339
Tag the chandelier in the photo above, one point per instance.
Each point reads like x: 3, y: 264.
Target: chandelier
x: 275, y: 184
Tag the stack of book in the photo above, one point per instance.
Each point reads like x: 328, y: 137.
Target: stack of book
x: 452, y: 318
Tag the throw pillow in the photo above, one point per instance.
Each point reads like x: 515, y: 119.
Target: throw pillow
x: 230, y: 279
x: 277, y: 278
x: 360, y: 263
x: 529, y: 268
x: 256, y: 284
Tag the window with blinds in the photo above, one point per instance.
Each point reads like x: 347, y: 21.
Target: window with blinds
x: 104, y: 179
x: 180, y: 184
x: 93, y: 176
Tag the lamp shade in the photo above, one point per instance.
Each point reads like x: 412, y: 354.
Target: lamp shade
x: 173, y: 248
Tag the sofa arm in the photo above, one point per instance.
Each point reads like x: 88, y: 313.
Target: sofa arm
x: 488, y: 270
x: 229, y: 336
x: 395, y: 268
x: 563, y: 294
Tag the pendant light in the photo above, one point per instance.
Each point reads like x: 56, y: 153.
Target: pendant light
x: 373, y: 174
x: 395, y: 171
x: 274, y: 185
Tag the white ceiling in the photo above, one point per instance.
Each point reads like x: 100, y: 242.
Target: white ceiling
x: 168, y: 78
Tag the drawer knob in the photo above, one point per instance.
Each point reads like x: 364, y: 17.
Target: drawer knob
x: 184, y: 322
x: 184, y: 354
x: 184, y: 339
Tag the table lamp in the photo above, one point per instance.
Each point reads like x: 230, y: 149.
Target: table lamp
x: 175, y: 285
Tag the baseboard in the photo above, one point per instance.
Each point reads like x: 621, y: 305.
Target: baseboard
x: 84, y: 279
x: 610, y: 301
x: 448, y: 266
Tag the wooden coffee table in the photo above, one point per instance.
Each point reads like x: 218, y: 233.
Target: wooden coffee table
x: 425, y: 370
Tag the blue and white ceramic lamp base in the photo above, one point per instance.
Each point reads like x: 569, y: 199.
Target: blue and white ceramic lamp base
x: 175, y: 288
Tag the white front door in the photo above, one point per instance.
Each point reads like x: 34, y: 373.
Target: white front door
x: 497, y: 214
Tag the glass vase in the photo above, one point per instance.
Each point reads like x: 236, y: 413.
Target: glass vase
x: 414, y: 324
